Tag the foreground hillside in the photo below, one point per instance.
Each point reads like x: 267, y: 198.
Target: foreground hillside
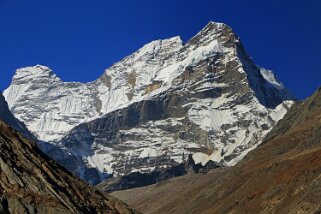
x: 283, y: 175
x: 32, y: 183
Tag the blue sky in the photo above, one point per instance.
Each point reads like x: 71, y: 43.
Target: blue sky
x: 79, y: 39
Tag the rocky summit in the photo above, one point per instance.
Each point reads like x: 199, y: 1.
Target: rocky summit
x: 149, y: 111
x: 30, y: 182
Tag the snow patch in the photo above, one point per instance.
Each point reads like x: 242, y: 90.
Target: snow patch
x: 269, y: 76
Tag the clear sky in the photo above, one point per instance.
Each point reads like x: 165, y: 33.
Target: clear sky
x: 79, y: 39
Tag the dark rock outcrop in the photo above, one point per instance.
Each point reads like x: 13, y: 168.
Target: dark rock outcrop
x: 191, y: 167
x: 138, y: 179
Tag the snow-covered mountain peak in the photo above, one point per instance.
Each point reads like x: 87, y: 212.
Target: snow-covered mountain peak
x: 212, y: 28
x: 215, y: 25
x: 37, y: 71
x: 145, y: 111
x: 212, y: 31
x: 29, y: 80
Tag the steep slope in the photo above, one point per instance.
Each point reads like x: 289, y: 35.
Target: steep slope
x: 282, y: 175
x: 7, y: 117
x: 32, y: 183
x: 152, y: 108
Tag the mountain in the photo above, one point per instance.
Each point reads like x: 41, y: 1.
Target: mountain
x: 282, y: 175
x: 32, y: 183
x: 147, y: 112
x: 8, y: 118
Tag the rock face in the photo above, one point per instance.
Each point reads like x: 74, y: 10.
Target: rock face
x: 32, y: 183
x: 282, y: 175
x: 151, y: 109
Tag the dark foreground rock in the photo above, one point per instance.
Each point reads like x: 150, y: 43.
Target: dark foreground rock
x: 30, y: 182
